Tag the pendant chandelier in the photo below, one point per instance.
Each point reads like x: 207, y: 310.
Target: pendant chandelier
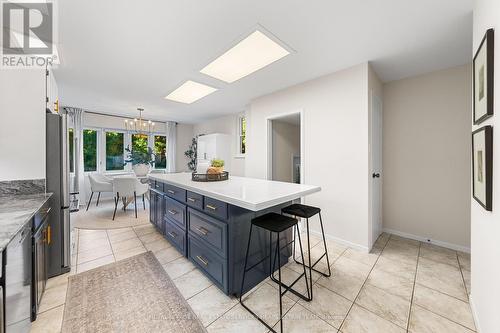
x: 139, y: 125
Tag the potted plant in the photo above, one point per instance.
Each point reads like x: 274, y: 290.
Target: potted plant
x: 217, y: 166
x: 191, y: 154
x: 141, y: 160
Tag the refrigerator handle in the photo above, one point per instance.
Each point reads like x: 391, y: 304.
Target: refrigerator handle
x: 65, y: 161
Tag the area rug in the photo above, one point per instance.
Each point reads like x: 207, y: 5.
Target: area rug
x: 131, y: 295
x: 101, y: 217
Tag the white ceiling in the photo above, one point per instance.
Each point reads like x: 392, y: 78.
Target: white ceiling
x: 119, y: 55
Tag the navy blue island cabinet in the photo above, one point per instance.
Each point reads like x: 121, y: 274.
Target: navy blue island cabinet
x: 213, y: 233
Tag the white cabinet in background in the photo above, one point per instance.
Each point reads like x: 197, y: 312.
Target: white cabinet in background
x: 212, y: 146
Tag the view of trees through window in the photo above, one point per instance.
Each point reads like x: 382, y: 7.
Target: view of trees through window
x: 71, y: 150
x: 140, y: 142
x: 160, y: 150
x: 114, y: 151
x: 243, y: 134
x: 89, y: 150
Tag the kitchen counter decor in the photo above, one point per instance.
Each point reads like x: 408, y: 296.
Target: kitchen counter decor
x: 209, y: 177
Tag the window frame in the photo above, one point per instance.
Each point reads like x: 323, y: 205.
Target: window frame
x: 104, y: 148
x: 98, y: 148
x: 239, y: 132
x: 152, y: 137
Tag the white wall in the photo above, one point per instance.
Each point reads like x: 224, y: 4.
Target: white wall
x: 286, y: 144
x: 485, y: 226
x: 335, y: 152
x: 22, y: 125
x: 226, y: 125
x: 426, y: 156
x: 184, y: 137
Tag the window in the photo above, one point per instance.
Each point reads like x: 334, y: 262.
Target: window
x: 89, y: 150
x: 160, y: 150
x: 114, y: 151
x: 71, y: 144
x: 140, y: 142
x: 242, y: 133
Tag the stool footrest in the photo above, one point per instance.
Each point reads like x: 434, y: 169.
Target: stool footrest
x: 314, y: 264
x: 289, y: 287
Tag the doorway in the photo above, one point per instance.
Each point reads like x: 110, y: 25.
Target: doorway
x: 376, y: 163
x: 285, y: 147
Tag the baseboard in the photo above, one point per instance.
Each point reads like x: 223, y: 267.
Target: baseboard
x: 474, y: 314
x: 342, y: 241
x: 428, y: 240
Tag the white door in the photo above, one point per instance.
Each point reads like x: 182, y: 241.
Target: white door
x: 376, y: 156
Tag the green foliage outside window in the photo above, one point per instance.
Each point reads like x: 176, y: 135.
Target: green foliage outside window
x: 243, y: 134
x: 114, y: 151
x: 160, y: 151
x: 89, y: 150
x: 140, y: 143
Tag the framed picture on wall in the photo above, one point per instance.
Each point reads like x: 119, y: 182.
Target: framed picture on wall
x: 483, y: 79
x: 482, y: 166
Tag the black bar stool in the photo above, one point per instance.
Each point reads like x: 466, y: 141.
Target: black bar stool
x: 276, y: 223
x: 303, y: 211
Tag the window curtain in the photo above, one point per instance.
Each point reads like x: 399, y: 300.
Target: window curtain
x: 171, y: 145
x: 76, y: 117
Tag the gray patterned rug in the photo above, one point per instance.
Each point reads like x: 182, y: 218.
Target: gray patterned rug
x: 131, y: 295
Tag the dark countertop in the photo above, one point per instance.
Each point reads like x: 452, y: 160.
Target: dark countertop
x: 16, y: 211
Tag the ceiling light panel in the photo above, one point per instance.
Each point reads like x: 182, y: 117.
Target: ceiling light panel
x: 251, y: 54
x: 190, y: 92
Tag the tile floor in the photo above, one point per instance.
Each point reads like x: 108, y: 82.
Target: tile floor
x: 402, y: 286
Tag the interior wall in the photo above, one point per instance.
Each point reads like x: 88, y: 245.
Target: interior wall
x: 184, y: 138
x: 426, y: 157
x: 335, y: 155
x: 485, y: 226
x: 286, y: 144
x: 22, y: 105
x: 226, y: 125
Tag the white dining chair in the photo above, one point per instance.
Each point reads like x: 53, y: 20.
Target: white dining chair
x: 128, y: 187
x: 99, y: 183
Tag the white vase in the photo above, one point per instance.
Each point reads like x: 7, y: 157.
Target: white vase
x: 141, y: 170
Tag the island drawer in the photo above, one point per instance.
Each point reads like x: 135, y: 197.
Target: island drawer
x: 176, y: 212
x: 159, y: 186
x: 175, y: 192
x: 175, y: 235
x: 213, y: 265
x: 210, y: 231
x: 215, y: 207
x: 194, y: 200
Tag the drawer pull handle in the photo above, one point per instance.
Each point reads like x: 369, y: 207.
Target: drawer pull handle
x: 203, y: 261
x: 171, y: 192
x: 172, y: 234
x: 173, y: 212
x: 211, y: 207
x: 202, y: 230
x: 192, y: 199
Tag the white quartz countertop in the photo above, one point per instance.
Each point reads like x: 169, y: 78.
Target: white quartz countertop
x: 249, y: 193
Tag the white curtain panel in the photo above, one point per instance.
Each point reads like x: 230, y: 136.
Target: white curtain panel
x: 76, y: 115
x: 171, y: 145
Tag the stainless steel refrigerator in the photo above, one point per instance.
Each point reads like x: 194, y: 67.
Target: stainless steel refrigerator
x: 57, y: 182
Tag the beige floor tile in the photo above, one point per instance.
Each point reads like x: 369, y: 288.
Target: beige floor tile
x: 444, y: 305
x: 210, y: 304
x: 158, y: 245
x: 92, y: 244
x: 299, y: 320
x: 48, y: 322
x: 388, y: 306
x: 391, y: 283
x: 287, y: 277
x: 119, y: 230
x: 121, y: 236
x: 265, y: 303
x: 400, y: 255
x: 57, y: 281
x: 368, y: 259
x: 404, y: 241
x: 178, y: 267
x: 423, y: 321
x: 239, y: 320
x: 466, y: 275
x: 95, y: 263
x: 123, y: 254
x: 151, y: 237
x: 335, y: 248
x: 439, y: 254
x: 192, y: 283
x: 360, y: 320
x: 95, y: 253
x: 442, y: 277
x: 144, y: 230
x: 351, y: 267
x: 328, y: 306
x: 343, y: 284
x: 398, y: 268
x: 82, y: 233
x: 53, y: 297
x: 320, y: 266
x: 464, y: 260
x: 313, y: 239
x: 126, y: 244
x: 167, y: 255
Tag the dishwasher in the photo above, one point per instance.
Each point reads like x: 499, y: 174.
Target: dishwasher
x: 18, y: 279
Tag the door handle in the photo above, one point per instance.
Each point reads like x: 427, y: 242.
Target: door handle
x: 203, y: 260
x: 202, y: 231
x: 191, y: 199
x: 173, y: 212
x: 211, y: 207
x: 172, y: 234
x: 376, y: 175
x: 171, y: 192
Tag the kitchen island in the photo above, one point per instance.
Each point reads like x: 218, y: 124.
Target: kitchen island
x: 209, y: 222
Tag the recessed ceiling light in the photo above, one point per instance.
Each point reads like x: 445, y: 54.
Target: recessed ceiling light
x: 251, y: 54
x: 190, y: 92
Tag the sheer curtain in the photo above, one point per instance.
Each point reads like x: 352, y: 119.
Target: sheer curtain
x: 76, y: 117
x: 171, y: 145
